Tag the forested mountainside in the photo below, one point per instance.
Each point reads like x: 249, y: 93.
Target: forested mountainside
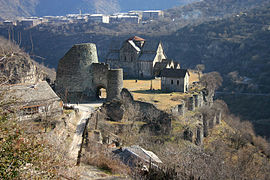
x: 13, y: 8
x: 213, y: 9
x: 238, y: 48
x: 239, y: 43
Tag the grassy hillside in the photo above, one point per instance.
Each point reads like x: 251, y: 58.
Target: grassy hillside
x: 141, y: 90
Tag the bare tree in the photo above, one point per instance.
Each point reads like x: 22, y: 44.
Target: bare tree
x: 200, y: 68
x: 212, y: 81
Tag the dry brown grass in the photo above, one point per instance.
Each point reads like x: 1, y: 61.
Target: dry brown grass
x: 194, y: 77
x: 141, y: 91
x: 102, y: 158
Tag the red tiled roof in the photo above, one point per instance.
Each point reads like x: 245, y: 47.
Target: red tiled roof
x: 136, y: 38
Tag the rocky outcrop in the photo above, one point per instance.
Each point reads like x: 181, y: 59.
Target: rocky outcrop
x: 188, y: 135
x: 17, y: 66
x: 127, y: 110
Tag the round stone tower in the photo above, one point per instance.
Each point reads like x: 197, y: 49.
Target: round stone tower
x: 73, y: 77
x: 114, y: 84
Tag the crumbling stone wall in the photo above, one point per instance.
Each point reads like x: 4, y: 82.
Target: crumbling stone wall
x: 128, y: 110
x: 179, y: 109
x: 199, y: 135
x: 80, y: 77
x: 191, y: 103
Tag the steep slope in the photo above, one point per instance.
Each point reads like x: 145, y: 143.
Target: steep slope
x: 13, y: 8
x: 127, y: 5
x: 63, y: 7
x: 17, y: 67
x: 212, y: 9
x: 239, y: 43
x: 237, y: 47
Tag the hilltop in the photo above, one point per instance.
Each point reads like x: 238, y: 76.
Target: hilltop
x: 13, y: 8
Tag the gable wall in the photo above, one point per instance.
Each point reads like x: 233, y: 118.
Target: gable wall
x: 160, y: 55
x: 146, y: 69
x: 128, y: 53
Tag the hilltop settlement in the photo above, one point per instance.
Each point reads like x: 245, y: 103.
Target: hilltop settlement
x: 137, y: 100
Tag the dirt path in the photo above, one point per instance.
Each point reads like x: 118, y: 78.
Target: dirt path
x: 85, y: 110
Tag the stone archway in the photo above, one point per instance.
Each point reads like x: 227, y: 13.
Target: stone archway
x: 101, y: 92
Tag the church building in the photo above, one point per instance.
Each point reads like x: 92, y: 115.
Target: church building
x: 136, y: 56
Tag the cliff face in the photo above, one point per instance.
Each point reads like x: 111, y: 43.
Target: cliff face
x: 17, y: 66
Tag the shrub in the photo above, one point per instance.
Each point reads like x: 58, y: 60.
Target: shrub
x: 103, y: 158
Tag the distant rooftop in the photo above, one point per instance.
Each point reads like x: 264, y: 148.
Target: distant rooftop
x: 136, y: 38
x: 174, y: 73
x: 153, y: 11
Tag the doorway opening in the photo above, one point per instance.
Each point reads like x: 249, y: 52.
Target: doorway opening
x: 101, y: 93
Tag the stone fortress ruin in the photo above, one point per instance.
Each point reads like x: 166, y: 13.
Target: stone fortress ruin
x: 80, y: 77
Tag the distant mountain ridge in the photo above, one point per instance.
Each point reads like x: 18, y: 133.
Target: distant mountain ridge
x: 13, y: 8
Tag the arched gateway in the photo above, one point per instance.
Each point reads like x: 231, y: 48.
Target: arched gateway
x: 80, y: 76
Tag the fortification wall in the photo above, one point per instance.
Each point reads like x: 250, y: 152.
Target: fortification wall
x: 114, y: 84
x: 80, y: 76
x: 73, y: 77
x: 99, y: 73
x: 206, y: 116
x: 130, y: 69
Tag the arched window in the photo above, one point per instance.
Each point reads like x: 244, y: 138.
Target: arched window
x: 171, y: 81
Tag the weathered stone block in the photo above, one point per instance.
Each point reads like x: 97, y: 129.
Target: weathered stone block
x: 196, y: 100
x: 218, y: 117
x: 188, y: 135
x: 191, y: 104
x: 199, y: 135
x: 212, y: 122
x: 205, y: 126
x: 181, y: 109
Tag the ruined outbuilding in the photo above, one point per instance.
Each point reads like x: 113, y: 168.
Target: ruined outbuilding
x: 80, y: 76
x: 32, y: 101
